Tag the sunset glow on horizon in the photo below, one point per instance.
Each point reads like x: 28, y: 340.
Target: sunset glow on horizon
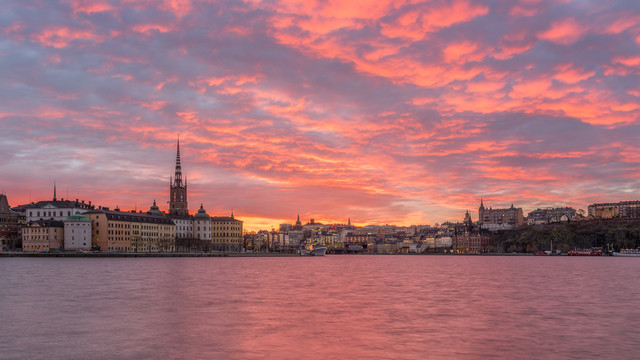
x: 384, y: 112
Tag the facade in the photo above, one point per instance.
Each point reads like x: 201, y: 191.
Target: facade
x: 622, y: 209
x: 273, y: 241
x: 202, y: 225
x: 184, y: 225
x: 55, y: 209
x: 469, y: 239
x: 226, y: 234
x: 131, y: 232
x: 499, y: 219
x: 9, y: 228
x: 178, y: 204
x: 77, y: 232
x: 551, y: 215
x: 43, y: 235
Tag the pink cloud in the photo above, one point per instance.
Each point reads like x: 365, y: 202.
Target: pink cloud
x: 566, y: 31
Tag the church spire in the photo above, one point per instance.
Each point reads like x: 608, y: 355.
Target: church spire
x: 178, y: 176
x: 177, y: 188
x: 54, y: 190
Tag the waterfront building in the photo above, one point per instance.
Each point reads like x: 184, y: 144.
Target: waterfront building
x: 202, y: 225
x: 178, y: 190
x: 386, y: 248
x: 43, y: 235
x: 55, y: 209
x: 77, y: 232
x: 114, y: 230
x: 9, y: 227
x: 622, y: 209
x: 551, y: 215
x: 499, y: 219
x: 272, y: 241
x: 470, y: 239
x: 296, y: 237
x: 438, y: 243
x: 184, y: 225
x: 226, y: 234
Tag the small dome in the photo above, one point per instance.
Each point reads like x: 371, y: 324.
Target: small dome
x: 202, y: 214
x: 154, y: 209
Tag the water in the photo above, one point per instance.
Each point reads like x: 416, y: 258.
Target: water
x: 336, y: 307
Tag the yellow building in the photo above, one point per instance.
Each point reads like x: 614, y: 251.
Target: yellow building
x: 119, y: 231
x: 226, y: 234
x: 43, y: 235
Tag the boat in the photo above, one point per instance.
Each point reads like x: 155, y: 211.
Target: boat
x: 594, y: 251
x: 628, y: 252
x: 318, y: 250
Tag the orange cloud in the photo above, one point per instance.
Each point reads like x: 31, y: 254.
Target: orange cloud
x: 570, y: 75
x: 149, y: 28
x: 90, y: 6
x: 415, y: 24
x: 566, y: 31
x: 60, y: 37
x: 530, y: 88
x: 627, y: 61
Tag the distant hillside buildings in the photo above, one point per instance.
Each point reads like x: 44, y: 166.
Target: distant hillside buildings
x: 551, y: 215
x: 622, y: 209
x: 499, y: 219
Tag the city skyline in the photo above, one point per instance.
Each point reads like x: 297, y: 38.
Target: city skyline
x: 383, y: 112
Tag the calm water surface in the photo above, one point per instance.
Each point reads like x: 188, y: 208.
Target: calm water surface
x: 336, y: 307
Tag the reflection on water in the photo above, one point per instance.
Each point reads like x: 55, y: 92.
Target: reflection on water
x: 375, y: 307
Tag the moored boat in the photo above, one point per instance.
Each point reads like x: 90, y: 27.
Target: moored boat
x: 318, y: 250
x: 628, y: 252
x: 594, y: 251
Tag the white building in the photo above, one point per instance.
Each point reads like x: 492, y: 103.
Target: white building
x: 55, y: 209
x: 202, y: 225
x: 184, y: 225
x: 77, y: 232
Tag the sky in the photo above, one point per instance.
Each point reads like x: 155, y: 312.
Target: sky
x: 384, y: 112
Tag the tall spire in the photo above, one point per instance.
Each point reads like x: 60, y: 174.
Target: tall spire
x: 54, y: 190
x: 178, y: 176
x: 177, y: 189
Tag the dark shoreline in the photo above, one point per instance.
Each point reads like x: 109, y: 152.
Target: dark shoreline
x: 147, y: 255
x: 135, y: 255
